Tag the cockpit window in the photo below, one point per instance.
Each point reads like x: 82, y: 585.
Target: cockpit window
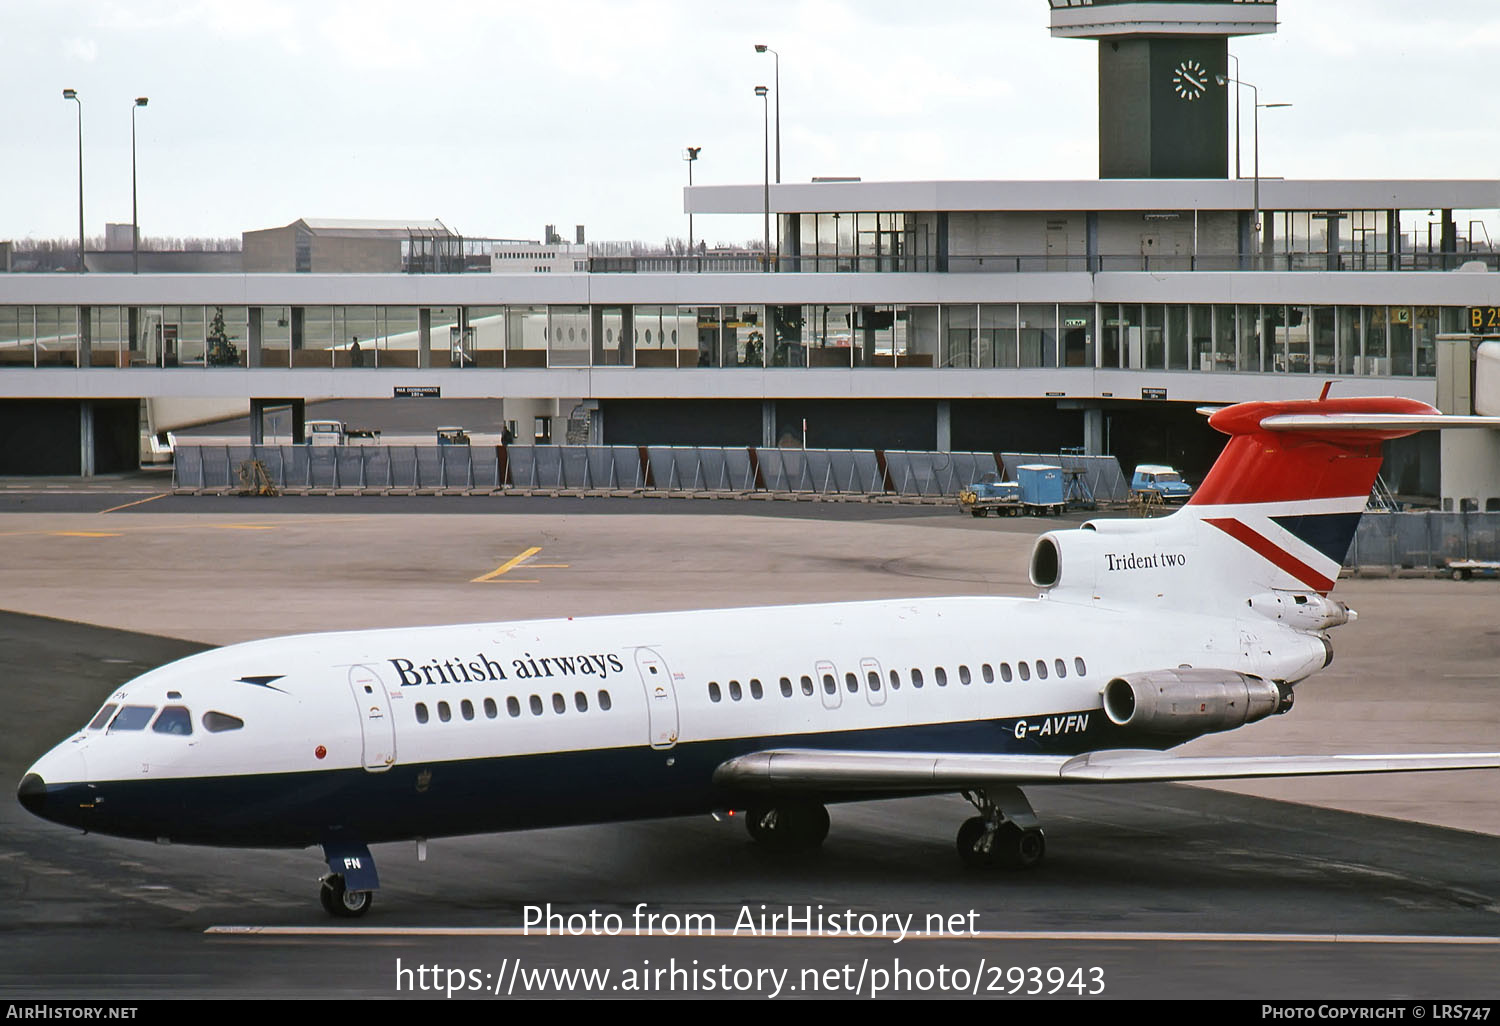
x: 217, y: 722
x: 174, y: 719
x: 132, y: 717
x: 98, y: 722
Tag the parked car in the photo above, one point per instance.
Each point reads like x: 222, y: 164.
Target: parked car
x: 1153, y: 481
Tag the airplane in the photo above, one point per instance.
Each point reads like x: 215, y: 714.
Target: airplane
x: 1145, y: 634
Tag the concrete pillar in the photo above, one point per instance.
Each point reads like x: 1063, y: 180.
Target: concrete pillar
x: 627, y: 336
x: 299, y: 315
x: 252, y: 344
x: 86, y: 438
x: 1093, y: 432
x: 768, y: 423
x: 258, y: 408
x: 85, y: 339
x: 424, y: 337
x: 944, y: 426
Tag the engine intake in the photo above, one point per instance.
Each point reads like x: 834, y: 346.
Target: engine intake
x: 1192, y: 702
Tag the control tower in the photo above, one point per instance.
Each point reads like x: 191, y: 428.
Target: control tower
x: 1161, y: 114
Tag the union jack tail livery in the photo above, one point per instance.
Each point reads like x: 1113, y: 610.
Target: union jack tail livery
x: 1294, y: 478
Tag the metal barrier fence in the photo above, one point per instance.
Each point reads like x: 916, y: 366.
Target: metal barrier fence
x: 590, y: 467
x: 1424, y: 540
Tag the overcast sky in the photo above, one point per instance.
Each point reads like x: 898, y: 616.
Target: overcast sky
x: 499, y: 117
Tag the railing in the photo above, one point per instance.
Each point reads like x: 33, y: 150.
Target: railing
x: 1424, y: 540
x: 412, y: 468
x: 1033, y: 263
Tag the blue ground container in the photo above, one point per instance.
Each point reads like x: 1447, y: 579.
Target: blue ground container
x: 1041, y: 486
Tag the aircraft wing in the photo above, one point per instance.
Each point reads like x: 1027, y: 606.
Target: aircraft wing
x: 855, y: 771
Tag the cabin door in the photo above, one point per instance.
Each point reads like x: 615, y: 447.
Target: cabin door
x: 375, y: 721
x: 661, y: 697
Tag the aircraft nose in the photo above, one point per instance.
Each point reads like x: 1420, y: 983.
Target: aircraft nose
x: 32, y: 793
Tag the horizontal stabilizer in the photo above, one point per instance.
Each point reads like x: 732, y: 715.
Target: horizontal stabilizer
x: 859, y: 771
x: 1313, y: 422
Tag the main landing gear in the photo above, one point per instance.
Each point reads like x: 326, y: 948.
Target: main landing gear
x: 1004, y: 834
x: 788, y: 826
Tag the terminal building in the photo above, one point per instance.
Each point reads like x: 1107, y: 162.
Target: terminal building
x: 939, y: 315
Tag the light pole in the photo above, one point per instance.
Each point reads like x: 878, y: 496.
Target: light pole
x: 691, y: 155
x: 1236, y: 81
x: 763, y: 48
x: 135, y: 223
x: 72, y: 94
x: 761, y: 91
x: 1255, y: 98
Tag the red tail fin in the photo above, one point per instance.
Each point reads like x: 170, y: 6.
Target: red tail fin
x: 1264, y: 464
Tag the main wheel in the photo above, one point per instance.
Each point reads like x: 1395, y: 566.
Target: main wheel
x: 974, y: 849
x: 342, y: 903
x: 796, y: 826
x: 1016, y: 848
x: 979, y: 512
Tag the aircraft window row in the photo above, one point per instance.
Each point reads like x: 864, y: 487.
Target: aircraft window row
x: 736, y: 692
x: 513, y: 706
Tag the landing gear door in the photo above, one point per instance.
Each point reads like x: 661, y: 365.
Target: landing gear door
x: 376, y: 724
x: 661, y: 697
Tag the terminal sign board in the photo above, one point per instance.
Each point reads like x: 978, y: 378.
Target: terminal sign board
x: 1484, y: 320
x: 1153, y: 393
x: 418, y: 392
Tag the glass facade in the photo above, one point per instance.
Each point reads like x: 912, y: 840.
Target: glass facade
x: 1397, y: 341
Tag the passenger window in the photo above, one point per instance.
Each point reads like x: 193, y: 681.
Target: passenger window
x: 807, y: 685
x: 1005, y: 672
x: 1078, y: 665
x: 489, y: 708
x: 851, y: 682
x: 444, y: 713
x: 604, y: 702
x: 874, y: 680
x: 559, y: 703
x: 916, y: 677
x: 513, y: 705
x: 941, y: 676
x: 1041, y: 669
x: 963, y: 675
x: 217, y: 722
x: 755, y: 690
x: 536, y: 705
x: 786, y: 687
x: 580, y: 701
x: 735, y: 692
x: 895, y: 681
x: 132, y: 717
x: 1025, y: 671
x: 1061, y: 668
x: 988, y: 673
x: 829, y: 684
x: 174, y: 719
x: 422, y: 716
x: 467, y: 708
x: 714, y: 694
x: 100, y: 720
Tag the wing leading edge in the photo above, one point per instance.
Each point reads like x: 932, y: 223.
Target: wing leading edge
x: 856, y: 771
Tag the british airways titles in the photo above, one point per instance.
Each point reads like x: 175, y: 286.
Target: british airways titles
x: 482, y: 668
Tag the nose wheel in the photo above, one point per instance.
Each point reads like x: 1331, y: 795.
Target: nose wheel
x: 1006, y: 833
x: 340, y: 902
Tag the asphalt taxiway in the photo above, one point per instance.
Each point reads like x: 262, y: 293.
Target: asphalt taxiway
x: 1170, y: 891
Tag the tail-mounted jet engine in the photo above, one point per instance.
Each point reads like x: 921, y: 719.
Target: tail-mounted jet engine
x: 1191, y: 702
